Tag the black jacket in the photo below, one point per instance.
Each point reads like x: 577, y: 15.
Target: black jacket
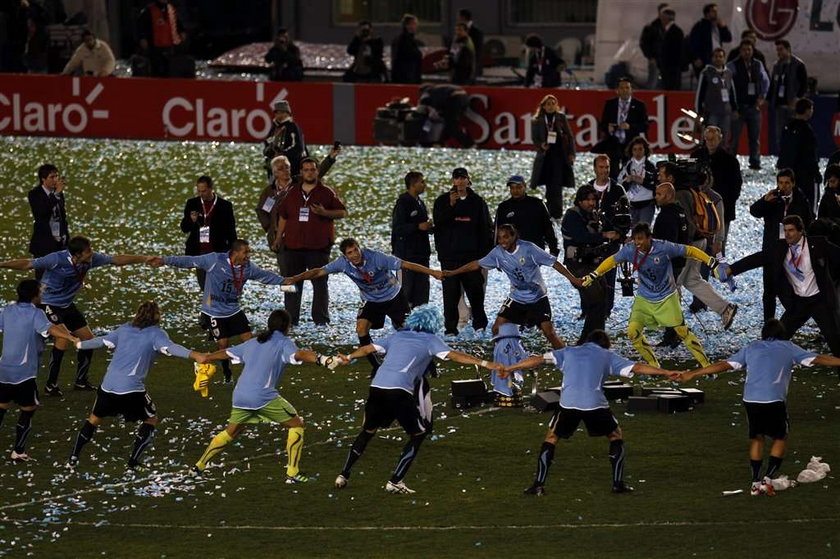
x: 829, y: 206
x: 463, y: 232
x: 222, y: 226
x: 288, y: 66
x: 773, y: 212
x: 581, y: 229
x: 671, y: 53
x: 671, y: 224
x: 798, y: 151
x: 285, y: 139
x: 614, y: 201
x: 651, y: 40
x: 700, y: 39
x: 368, y: 65
x: 530, y: 217
x: 407, y: 241
x: 726, y: 172
x: 637, y: 118
x: 43, y: 206
x: 825, y: 260
x: 406, y: 59
x: 544, y: 65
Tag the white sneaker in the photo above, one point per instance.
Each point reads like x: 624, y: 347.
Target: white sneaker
x: 22, y: 457
x: 398, y: 488
x: 756, y: 489
x: 340, y: 482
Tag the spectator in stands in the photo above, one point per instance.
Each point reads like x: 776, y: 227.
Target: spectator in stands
x: 622, y: 119
x: 284, y: 138
x: 93, y: 55
x: 726, y: 172
x: 773, y: 208
x: 448, y: 102
x: 671, y: 60
x: 799, y: 152
x: 476, y: 35
x: 751, y: 87
x: 830, y: 203
x: 747, y: 35
x: 707, y: 34
x: 460, y: 61
x: 554, y: 162
x: 283, y: 59
x: 544, y: 65
x: 367, y: 51
x: 406, y: 58
x: 161, y: 33
x: 37, y: 43
x: 650, y: 42
x: 788, y: 82
x: 716, y: 101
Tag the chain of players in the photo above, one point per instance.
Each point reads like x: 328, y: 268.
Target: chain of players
x: 399, y: 388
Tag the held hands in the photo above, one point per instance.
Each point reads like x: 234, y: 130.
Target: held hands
x: 589, y: 278
x: 330, y: 362
x: 577, y: 282
x: 155, y: 261
x: 437, y: 274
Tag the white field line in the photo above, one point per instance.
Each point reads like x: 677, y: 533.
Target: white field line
x: 467, y: 527
x: 171, y: 476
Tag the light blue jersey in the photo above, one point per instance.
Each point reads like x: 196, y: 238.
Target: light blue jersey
x: 375, y: 277
x: 264, y: 366
x: 522, y: 267
x: 135, y: 350
x: 656, y: 275
x: 585, y: 369
x: 62, y: 278
x: 224, y: 282
x: 769, y: 366
x: 407, y: 354
x: 24, y: 328
x: 508, y: 351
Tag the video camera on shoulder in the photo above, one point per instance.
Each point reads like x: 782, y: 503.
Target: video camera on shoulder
x: 690, y: 172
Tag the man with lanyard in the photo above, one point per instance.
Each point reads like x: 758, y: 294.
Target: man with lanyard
x: 373, y: 272
x: 399, y: 390
x: 306, y: 233
x: 769, y: 366
x: 24, y: 327
x: 528, y: 303
x: 585, y: 369
x: 623, y: 119
x: 658, y: 304
x: 49, y: 230
x: 210, y: 224
x: 788, y: 83
x: 64, y: 275
x: 751, y: 86
x: 227, y: 273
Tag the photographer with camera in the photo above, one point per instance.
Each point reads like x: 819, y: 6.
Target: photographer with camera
x: 703, y: 207
x: 657, y: 304
x: 773, y: 208
x: 284, y: 138
x: 585, y: 246
x: 367, y: 51
x: 612, y: 209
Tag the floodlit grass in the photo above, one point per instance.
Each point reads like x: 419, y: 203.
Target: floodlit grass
x: 469, y: 475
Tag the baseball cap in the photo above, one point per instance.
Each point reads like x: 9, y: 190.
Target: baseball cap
x: 515, y: 179
x: 460, y: 172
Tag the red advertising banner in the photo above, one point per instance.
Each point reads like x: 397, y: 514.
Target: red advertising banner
x: 206, y: 110
x: 157, y: 109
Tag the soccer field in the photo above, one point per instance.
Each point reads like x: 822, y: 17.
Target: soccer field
x: 128, y: 197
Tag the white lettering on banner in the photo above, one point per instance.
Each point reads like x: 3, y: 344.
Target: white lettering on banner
x: 215, y: 122
x: 682, y: 126
x: 587, y: 126
x: 35, y: 117
x: 659, y: 119
x: 505, y: 129
x: 479, y: 120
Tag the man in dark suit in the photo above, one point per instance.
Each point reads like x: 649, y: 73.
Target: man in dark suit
x: 799, y: 152
x: 706, y: 35
x: 49, y: 230
x: 671, y: 61
x: 773, y: 208
x: 209, y: 222
x: 623, y: 119
x: 804, y: 270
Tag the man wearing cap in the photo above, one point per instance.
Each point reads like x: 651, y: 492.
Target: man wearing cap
x: 528, y: 214
x: 284, y: 138
x: 463, y: 233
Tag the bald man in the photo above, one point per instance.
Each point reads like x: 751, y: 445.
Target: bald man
x: 671, y: 223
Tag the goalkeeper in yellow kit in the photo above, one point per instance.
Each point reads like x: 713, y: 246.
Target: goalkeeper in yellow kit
x: 657, y: 304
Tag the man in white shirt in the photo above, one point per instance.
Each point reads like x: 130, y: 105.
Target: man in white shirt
x: 93, y: 55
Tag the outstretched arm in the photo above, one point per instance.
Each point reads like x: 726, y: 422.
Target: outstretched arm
x: 308, y: 274
x: 468, y: 267
x: 646, y: 369
x: 61, y: 331
x: 437, y: 274
x: 467, y: 359
x: 19, y: 264
x: 308, y: 356
x: 602, y: 269
x: 713, y: 369
x: 125, y: 259
x: 527, y: 363
x: 827, y: 360
x: 566, y: 273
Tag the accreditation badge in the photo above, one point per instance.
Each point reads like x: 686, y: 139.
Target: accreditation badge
x: 303, y: 216
x: 268, y: 204
x: 204, y: 234
x: 551, y: 138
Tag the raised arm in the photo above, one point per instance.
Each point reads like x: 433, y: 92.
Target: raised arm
x: 19, y: 264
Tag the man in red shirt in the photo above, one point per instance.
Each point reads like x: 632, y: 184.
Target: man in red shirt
x: 306, y: 233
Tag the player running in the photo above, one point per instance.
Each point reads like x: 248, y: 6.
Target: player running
x: 399, y: 389
x: 123, y: 390
x: 24, y: 327
x: 255, y: 396
x: 64, y: 275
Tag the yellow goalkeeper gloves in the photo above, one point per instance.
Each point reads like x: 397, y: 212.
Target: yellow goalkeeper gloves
x: 203, y: 374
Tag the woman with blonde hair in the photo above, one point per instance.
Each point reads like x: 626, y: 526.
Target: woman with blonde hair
x: 551, y: 133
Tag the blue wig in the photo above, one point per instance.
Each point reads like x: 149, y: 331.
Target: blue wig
x: 425, y: 318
